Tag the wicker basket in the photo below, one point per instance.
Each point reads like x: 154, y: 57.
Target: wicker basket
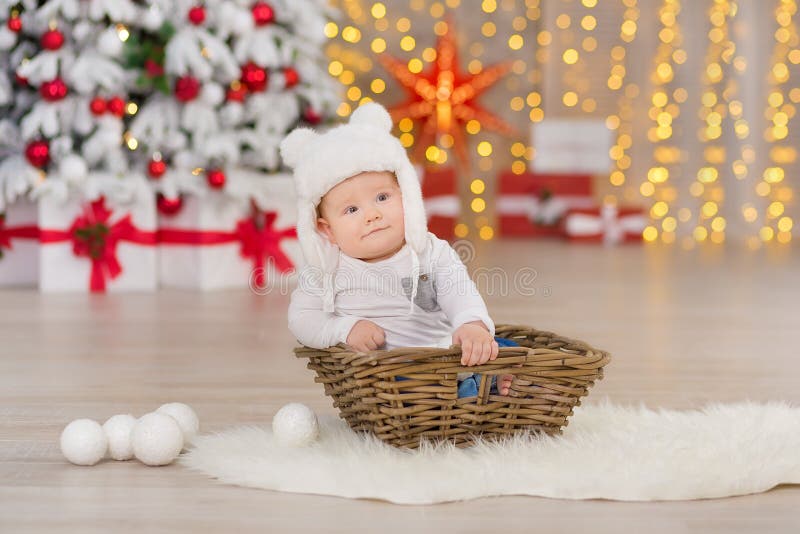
x: 551, y: 374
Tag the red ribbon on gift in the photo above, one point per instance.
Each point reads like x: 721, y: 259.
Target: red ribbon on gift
x: 7, y: 233
x: 257, y: 242
x: 93, y: 237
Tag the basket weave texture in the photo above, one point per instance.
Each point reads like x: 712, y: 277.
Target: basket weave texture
x: 550, y: 375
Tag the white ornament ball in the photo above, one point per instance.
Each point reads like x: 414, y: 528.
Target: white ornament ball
x: 83, y: 442
x: 7, y: 38
x: 212, y: 94
x: 118, y: 430
x: 73, y: 168
x: 185, y: 417
x: 295, y: 425
x: 157, y: 439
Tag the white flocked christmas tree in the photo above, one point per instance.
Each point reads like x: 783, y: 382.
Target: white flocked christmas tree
x: 224, y: 81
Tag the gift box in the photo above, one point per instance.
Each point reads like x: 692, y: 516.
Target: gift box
x: 606, y: 224
x: 534, y: 205
x: 105, y: 244
x: 442, y: 205
x: 19, y: 244
x: 217, y: 241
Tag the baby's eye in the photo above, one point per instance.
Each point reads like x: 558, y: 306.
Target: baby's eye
x: 382, y: 197
x: 350, y: 209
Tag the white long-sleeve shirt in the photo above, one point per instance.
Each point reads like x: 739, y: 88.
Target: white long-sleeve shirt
x: 380, y: 292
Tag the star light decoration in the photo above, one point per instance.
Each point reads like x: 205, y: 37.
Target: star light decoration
x: 444, y: 96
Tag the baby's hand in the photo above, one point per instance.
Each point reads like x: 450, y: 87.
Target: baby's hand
x: 366, y: 336
x: 477, y: 344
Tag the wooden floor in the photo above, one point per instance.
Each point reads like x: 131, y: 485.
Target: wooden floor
x: 684, y: 328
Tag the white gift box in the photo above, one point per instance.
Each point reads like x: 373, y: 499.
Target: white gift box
x: 218, y: 241
x: 74, y: 256
x: 19, y: 244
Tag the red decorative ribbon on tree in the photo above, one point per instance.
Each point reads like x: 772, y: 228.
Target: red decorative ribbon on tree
x: 258, y: 242
x: 92, y: 236
x: 15, y: 232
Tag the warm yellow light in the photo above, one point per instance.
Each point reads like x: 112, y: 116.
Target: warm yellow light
x: 533, y: 99
x: 415, y: 65
x: 408, y: 43
x: 486, y: 233
x: 484, y: 148
x: 659, y: 209
x: 131, y: 108
x: 477, y: 186
x: 700, y: 233
x: 488, y: 29
x: 775, y: 209
x: 658, y: 175
x: 718, y: 224
x: 406, y: 139
x: 669, y: 224
x: 709, y: 209
x: 378, y: 45
x: 461, y: 230
x: 123, y: 33
x: 773, y: 175
x: 432, y: 153
x: 612, y: 122
x: 347, y: 77
x: 489, y: 6
x: 589, y: 3
x: 473, y: 127
x: 335, y: 68
x: 378, y: 10
x: 331, y: 30
x: 518, y: 150
x: 351, y: 34
x: 429, y: 54
x: 588, y: 23
x: 570, y: 56
x: 785, y: 224
x: 563, y: 21
x: 650, y: 233
x: 659, y: 99
x: 378, y: 86
x: 544, y: 38
x: 628, y: 28
x: 617, y: 178
x: 478, y: 205
x: 536, y: 114
x: 766, y: 233
x: 570, y: 98
x: 589, y: 44
x: 518, y: 167
x: 707, y: 175
x: 403, y: 25
x: 647, y: 189
x: 515, y: 42
x: 354, y: 93
x: 664, y: 72
x: 132, y: 143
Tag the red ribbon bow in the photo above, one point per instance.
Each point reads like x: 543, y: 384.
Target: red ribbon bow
x: 258, y: 242
x: 93, y: 237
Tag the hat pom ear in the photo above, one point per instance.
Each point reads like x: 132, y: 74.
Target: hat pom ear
x: 374, y: 115
x: 293, y: 146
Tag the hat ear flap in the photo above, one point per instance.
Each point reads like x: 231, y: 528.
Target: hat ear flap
x: 294, y: 145
x: 374, y: 115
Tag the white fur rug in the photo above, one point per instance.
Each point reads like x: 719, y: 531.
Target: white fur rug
x: 607, y: 452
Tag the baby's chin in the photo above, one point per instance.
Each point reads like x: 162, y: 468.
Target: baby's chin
x: 379, y: 253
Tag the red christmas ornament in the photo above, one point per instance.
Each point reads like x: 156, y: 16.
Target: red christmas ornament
x: 186, y: 88
x: 216, y: 179
x: 263, y: 13
x: 97, y: 106
x: 116, y: 106
x: 53, y: 90
x: 20, y: 80
x: 15, y: 24
x: 311, y: 116
x: 290, y: 76
x: 153, y: 69
x: 52, y: 40
x: 254, y: 77
x: 236, y: 92
x: 156, y: 168
x: 38, y: 153
x: 197, y: 15
x: 168, y: 206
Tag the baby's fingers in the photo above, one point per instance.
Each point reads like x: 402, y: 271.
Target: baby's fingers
x: 466, y: 352
x: 495, y: 348
x: 475, y: 357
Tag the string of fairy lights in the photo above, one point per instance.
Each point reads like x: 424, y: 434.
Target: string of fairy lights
x: 685, y: 196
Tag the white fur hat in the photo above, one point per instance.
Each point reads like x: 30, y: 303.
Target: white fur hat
x: 321, y: 161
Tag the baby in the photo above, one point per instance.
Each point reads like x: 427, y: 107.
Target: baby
x: 376, y: 278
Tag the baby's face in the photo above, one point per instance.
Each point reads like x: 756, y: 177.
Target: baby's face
x: 363, y: 216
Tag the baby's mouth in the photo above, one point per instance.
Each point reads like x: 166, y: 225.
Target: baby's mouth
x: 374, y: 231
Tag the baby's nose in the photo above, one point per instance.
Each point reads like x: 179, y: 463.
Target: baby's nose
x: 373, y: 215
